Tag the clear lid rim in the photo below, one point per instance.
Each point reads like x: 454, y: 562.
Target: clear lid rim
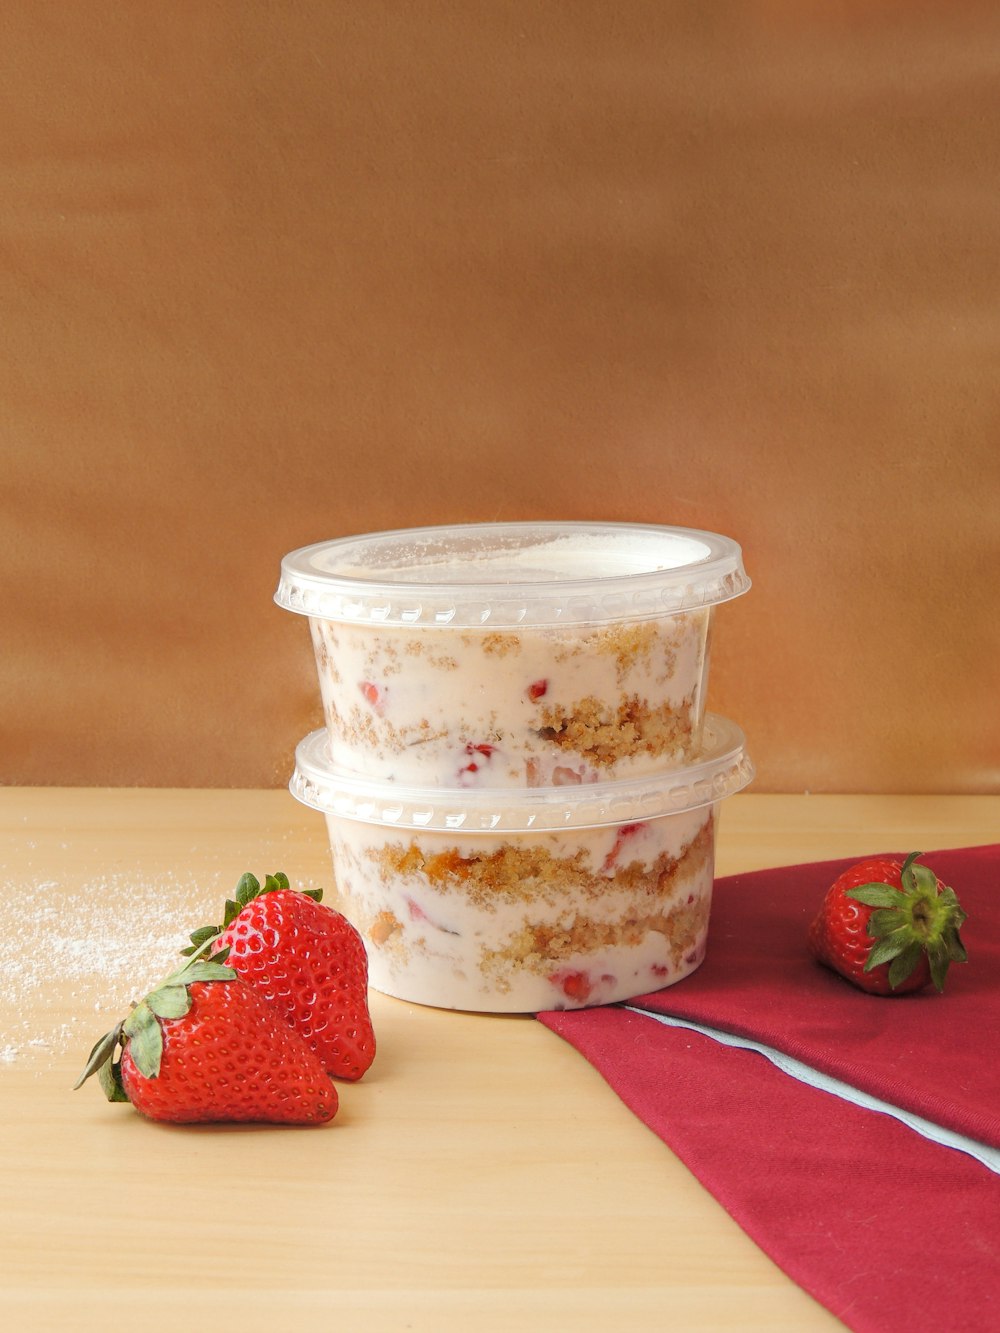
x: 718, y: 577
x: 723, y: 769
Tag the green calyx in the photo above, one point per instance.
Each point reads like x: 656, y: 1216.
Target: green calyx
x: 141, y: 1030
x: 922, y: 918
x: 248, y: 888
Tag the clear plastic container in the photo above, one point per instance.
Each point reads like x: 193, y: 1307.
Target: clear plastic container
x: 513, y: 655
x: 519, y: 901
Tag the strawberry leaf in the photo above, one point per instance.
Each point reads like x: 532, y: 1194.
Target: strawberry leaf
x: 199, y: 937
x: 886, y: 921
x: 950, y: 900
x: 202, y: 969
x: 145, y: 1038
x: 875, y: 895
x: 954, y: 946
x: 937, y: 957
x: 903, y: 964
x: 247, y: 889
x: 888, y: 947
x: 110, y: 1078
x: 906, y: 875
x: 171, y: 1000
x: 924, y: 880
x: 101, y: 1054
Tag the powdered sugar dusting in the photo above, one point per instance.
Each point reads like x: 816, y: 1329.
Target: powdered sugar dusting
x: 74, y: 958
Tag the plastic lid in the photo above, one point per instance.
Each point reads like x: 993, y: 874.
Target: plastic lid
x: 723, y: 769
x: 508, y: 574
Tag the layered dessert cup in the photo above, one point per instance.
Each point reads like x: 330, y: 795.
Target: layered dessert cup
x: 513, y: 655
x: 519, y: 900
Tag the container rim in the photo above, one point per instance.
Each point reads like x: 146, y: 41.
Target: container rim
x: 722, y: 769
x: 478, y: 575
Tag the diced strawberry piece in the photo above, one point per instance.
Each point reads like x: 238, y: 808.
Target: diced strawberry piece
x: 537, y: 690
x: 466, y: 774
x: 574, y: 985
x: 374, y: 696
x: 417, y: 913
x: 624, y: 833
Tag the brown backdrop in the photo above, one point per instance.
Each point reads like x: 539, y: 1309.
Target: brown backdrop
x: 273, y: 272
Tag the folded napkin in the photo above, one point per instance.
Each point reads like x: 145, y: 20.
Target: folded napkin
x: 886, y: 1228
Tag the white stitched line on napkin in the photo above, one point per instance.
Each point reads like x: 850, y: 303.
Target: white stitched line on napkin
x: 982, y: 1152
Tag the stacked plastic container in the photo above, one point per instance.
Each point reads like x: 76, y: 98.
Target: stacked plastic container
x: 520, y: 781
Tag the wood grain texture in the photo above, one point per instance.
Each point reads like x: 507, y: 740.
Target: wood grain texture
x: 482, y: 1174
x: 276, y: 273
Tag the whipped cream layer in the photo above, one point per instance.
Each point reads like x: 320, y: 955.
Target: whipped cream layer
x: 518, y: 922
x: 517, y: 706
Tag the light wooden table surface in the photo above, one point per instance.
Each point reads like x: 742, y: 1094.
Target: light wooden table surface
x: 483, y: 1176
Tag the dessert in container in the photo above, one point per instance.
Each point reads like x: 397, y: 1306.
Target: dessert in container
x: 513, y: 654
x: 501, y: 900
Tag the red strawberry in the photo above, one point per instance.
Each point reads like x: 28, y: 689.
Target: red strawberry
x: 203, y: 1046
x: 307, y: 960
x: 889, y: 927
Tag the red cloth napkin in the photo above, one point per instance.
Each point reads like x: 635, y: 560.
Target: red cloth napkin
x: 885, y: 1228
x: 936, y: 1055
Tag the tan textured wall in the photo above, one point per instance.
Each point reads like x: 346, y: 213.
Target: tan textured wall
x: 273, y: 272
